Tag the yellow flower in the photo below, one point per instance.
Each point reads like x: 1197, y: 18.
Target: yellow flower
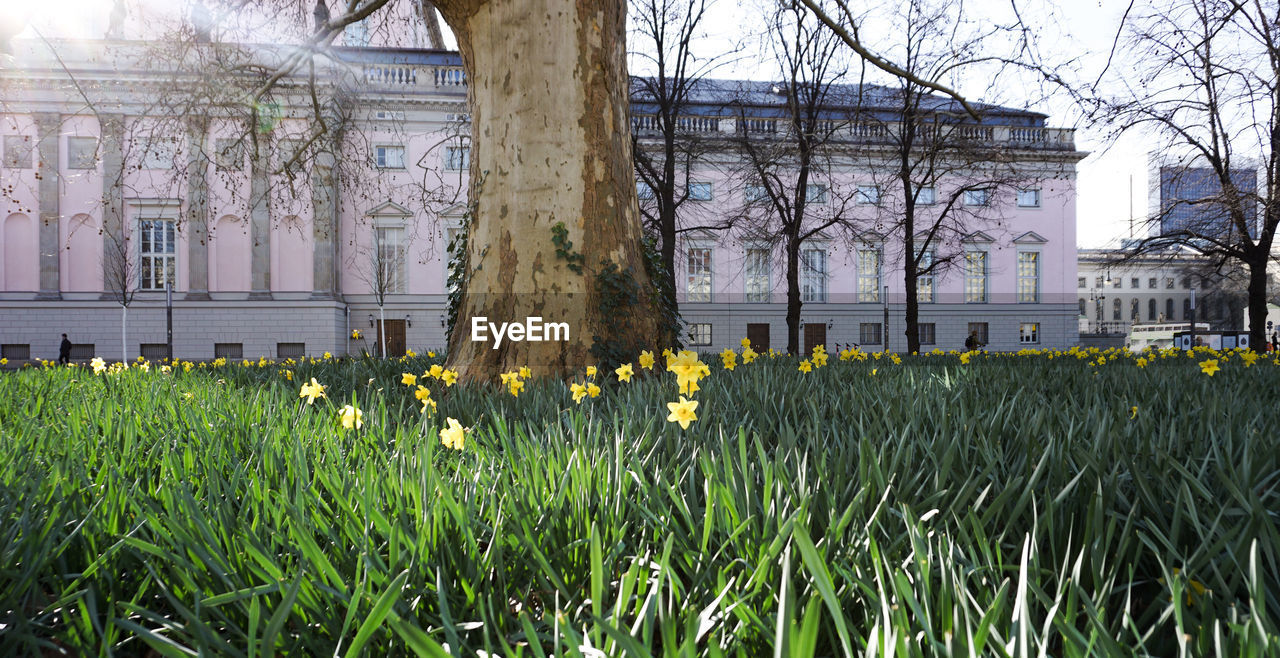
x: 435, y: 371
x: 453, y: 435
x: 730, y: 359
x: 449, y: 377
x: 579, y: 391
x: 427, y: 404
x: 351, y: 417
x: 515, y: 386
x: 646, y: 360
x: 1209, y: 367
x: 682, y: 412
x: 624, y: 372
x: 288, y: 374
x: 312, y: 391
x: 964, y: 358
x: 591, y: 371
x: 749, y: 355
x: 328, y: 355
x: 508, y: 377
x: 525, y: 372
x: 408, y: 379
x: 422, y: 393
x: 410, y: 353
x: 355, y: 334
x: 745, y: 342
x: 805, y: 366
x: 1141, y: 362
x: 167, y: 369
x: 874, y: 370
x: 1249, y: 358
x: 98, y: 365
x: 593, y: 390
x: 431, y: 355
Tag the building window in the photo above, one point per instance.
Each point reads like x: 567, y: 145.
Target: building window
x: 291, y: 350
x: 1029, y: 333
x: 1029, y: 277
x: 757, y: 275
x: 82, y: 153
x: 229, y: 155
x: 1082, y: 283
x: 1168, y: 310
x: 1186, y: 309
x: 700, y: 191
x: 975, y: 277
x: 452, y: 244
x: 868, y: 275
x: 867, y: 195
x: 1186, y: 283
x: 1084, y: 310
x: 815, y: 193
x: 17, y: 151
x: 1135, y: 311
x: 925, y: 282
x: 388, y: 259
x: 700, y: 333
x: 979, y: 197
x: 869, y: 333
x: 157, y: 251
x: 1168, y: 283
x: 1134, y: 283
x: 925, y: 196
x: 755, y: 194
x: 927, y: 331
x: 1151, y: 283
x: 15, y: 352
x: 1151, y: 310
x: 1097, y: 282
x: 1115, y: 310
x: 979, y: 330
x: 457, y: 158
x: 813, y: 279
x: 698, y: 284
x: 388, y: 157
x: 1029, y: 198
x: 160, y: 153
x: 356, y: 34
x: 1117, y: 283
x: 153, y: 351
x: 228, y: 350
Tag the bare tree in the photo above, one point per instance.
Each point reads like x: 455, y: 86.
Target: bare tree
x: 1206, y: 88
x: 120, y: 272
x: 786, y: 163
x: 669, y: 139
x: 940, y: 170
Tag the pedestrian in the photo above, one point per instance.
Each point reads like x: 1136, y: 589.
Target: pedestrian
x: 971, y: 343
x: 64, y: 351
x: 1275, y: 341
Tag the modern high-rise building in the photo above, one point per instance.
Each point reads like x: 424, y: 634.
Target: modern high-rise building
x: 1188, y: 196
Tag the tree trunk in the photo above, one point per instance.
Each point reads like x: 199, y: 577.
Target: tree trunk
x: 382, y: 330
x: 1258, y: 304
x: 550, y: 145
x: 793, y: 295
x: 124, y: 324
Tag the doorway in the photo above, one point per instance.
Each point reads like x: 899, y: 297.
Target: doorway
x: 395, y: 337
x: 758, y: 335
x: 815, y: 333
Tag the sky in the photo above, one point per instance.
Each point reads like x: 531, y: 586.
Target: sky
x: 1081, y: 30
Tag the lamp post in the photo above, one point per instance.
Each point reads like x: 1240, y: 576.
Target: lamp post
x: 886, y: 319
x: 1099, y: 297
x: 1193, y: 317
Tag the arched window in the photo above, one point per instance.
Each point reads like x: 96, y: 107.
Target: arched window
x: 1134, y: 310
x: 1115, y: 310
x: 1168, y: 310
x: 1151, y: 310
x: 1083, y: 308
x: 1186, y: 309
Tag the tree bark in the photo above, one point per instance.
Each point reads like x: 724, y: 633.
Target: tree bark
x: 550, y: 144
x: 793, y: 294
x: 1257, y: 308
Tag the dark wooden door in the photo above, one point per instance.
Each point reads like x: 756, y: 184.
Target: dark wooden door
x: 815, y: 333
x: 395, y: 337
x: 758, y: 334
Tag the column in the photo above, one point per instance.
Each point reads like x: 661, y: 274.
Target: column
x: 113, y: 247
x: 260, y: 228
x: 197, y: 216
x: 48, y: 140
x: 324, y: 205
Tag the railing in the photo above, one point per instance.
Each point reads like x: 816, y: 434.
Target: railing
x: 410, y: 76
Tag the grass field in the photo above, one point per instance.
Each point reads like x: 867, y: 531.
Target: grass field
x: 1054, y: 503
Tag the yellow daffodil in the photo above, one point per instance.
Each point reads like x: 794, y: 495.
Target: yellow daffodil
x: 579, y: 391
x: 624, y: 372
x: 508, y: 377
x: 515, y: 386
x: 682, y: 412
x: 591, y: 371
x: 288, y: 374
x: 593, y: 390
x: 449, y: 377
x: 98, y: 365
x: 144, y: 366
x: 1209, y: 367
x: 805, y: 366
x: 748, y: 355
x: 525, y: 372
x: 730, y: 359
x: 873, y: 371
x: 1133, y: 413
x: 351, y: 417
x: 1249, y: 358
x: 328, y: 356
x: 431, y: 355
x: 422, y: 393
x: 355, y: 334
x: 964, y: 358
x: 408, y: 379
x: 312, y: 391
x: 435, y: 371
x: 745, y: 343
x: 428, y: 403
x: 646, y: 360
x: 410, y: 353
x: 453, y: 435
x: 1141, y: 362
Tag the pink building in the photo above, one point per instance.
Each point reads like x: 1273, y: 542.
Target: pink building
x: 123, y: 170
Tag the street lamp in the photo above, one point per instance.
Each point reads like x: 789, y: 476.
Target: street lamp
x: 1099, y: 297
x: 885, y: 298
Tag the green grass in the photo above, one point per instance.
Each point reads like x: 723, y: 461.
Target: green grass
x: 1009, y: 506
